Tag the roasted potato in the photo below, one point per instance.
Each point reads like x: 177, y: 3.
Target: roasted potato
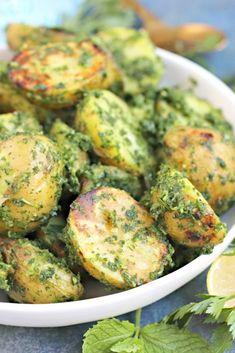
x: 115, y: 238
x: 106, y: 119
x: 103, y: 175
x: 73, y: 146
x: 135, y: 55
x: 51, y: 237
x: 36, y: 276
x: 21, y: 35
x: 31, y: 173
x: 11, y: 100
x: 18, y: 122
x: 55, y: 74
x: 208, y: 159
x: 183, y: 213
x: 176, y: 107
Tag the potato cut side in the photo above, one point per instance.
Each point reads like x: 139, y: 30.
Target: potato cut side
x: 53, y: 75
x: 183, y: 212
x: 115, y: 238
x: 107, y: 120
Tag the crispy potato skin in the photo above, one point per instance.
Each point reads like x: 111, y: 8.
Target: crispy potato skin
x: 30, y: 182
x: 21, y: 35
x: 53, y: 75
x: 112, y: 235
x: 186, y: 216
x: 208, y: 160
x: 38, y: 277
x: 135, y: 55
x: 107, y: 120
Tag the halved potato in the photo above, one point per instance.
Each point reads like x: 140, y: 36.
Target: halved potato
x: 135, y: 54
x: 21, y: 35
x: 114, y: 237
x: 17, y: 122
x: 73, y: 147
x: 36, y: 276
x: 176, y: 107
x: 53, y: 75
x: 208, y: 159
x: 107, y: 120
x: 11, y: 100
x: 51, y: 237
x: 31, y: 174
x: 105, y: 175
x: 182, y: 211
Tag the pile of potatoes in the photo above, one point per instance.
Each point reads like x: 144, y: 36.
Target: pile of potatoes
x: 101, y: 172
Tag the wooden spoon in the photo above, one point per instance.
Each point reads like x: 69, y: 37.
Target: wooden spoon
x: 190, y: 38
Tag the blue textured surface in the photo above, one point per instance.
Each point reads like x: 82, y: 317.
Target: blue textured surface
x: 216, y: 12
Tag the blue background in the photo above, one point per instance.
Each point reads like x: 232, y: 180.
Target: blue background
x: 216, y: 12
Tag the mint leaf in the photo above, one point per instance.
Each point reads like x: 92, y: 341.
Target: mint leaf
x: 101, y: 337
x: 129, y: 345
x: 163, y: 338
x: 222, y: 339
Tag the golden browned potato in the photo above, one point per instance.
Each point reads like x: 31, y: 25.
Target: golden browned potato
x: 73, y: 147
x: 35, y: 275
x: 208, y: 159
x: 106, y: 175
x: 18, y: 122
x: 135, y: 54
x: 55, y: 74
x: 11, y: 100
x: 115, y: 239
x: 30, y: 182
x: 107, y: 120
x: 183, y: 213
x: 21, y: 35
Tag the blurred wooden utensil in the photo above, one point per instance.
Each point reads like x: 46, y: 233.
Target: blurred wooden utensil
x: 191, y: 38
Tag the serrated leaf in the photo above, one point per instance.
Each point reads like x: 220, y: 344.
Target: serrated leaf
x: 231, y: 322
x: 163, y: 338
x: 129, y: 345
x: 216, y: 306
x: 222, y: 339
x: 181, y: 316
x: 101, y: 337
x: 219, y: 320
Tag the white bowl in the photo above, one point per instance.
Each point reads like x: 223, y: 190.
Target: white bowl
x: 100, y: 304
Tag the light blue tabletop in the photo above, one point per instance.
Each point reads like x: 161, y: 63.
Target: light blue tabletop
x: 216, y: 12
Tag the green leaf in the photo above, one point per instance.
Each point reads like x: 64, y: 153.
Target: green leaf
x: 101, y: 337
x: 129, y: 345
x: 231, y: 322
x: 222, y: 339
x: 180, y: 316
x: 163, y: 338
x: 216, y: 306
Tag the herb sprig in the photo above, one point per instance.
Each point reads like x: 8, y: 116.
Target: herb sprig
x: 170, y: 334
